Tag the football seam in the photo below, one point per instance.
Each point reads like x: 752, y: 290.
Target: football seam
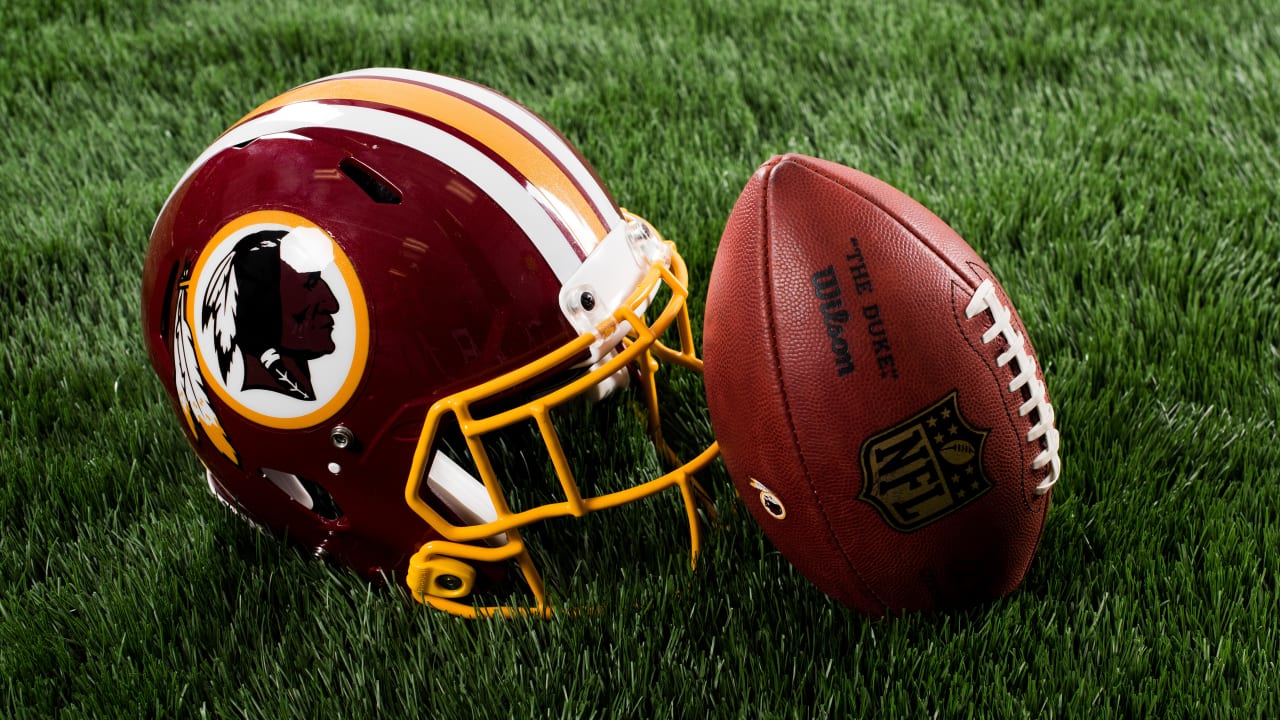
x: 958, y: 271
x: 1028, y: 499
x: 995, y: 376
x: 782, y: 388
x: 982, y: 272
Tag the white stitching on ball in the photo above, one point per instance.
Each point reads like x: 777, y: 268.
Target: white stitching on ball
x: 984, y: 298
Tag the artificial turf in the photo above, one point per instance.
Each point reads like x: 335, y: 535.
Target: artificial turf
x: 1115, y: 164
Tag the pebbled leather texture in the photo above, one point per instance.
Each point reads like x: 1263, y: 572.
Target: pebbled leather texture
x: 834, y: 332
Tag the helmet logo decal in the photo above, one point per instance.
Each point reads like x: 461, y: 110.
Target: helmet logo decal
x: 278, y: 320
x: 288, y: 309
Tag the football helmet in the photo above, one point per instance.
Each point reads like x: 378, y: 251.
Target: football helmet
x: 380, y: 258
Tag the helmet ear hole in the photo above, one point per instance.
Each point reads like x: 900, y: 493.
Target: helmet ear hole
x: 307, y: 493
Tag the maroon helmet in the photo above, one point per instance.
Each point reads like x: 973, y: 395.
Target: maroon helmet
x: 374, y: 258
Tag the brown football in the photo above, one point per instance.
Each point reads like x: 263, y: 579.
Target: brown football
x: 876, y: 399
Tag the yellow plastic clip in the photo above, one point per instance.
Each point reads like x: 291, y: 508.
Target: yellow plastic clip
x: 439, y: 577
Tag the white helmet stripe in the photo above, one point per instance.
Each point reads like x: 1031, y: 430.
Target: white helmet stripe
x: 509, y: 192
x: 517, y: 115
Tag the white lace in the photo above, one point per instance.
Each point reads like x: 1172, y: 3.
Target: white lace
x: 984, y: 298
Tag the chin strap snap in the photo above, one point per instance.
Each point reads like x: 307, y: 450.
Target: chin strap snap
x: 442, y: 574
x: 439, y: 577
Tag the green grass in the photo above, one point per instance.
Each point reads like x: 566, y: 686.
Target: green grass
x: 1115, y: 163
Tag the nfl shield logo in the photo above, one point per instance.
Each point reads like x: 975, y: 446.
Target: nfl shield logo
x: 925, y: 467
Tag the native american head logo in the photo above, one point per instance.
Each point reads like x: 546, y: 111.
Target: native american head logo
x: 268, y: 303
x: 272, y: 320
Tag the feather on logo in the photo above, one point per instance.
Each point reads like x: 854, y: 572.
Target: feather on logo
x: 220, y: 309
x: 192, y: 393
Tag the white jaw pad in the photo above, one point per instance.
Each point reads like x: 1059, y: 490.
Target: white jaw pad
x: 462, y: 493
x: 607, y: 278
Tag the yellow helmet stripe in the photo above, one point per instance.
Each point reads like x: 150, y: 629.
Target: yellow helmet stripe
x: 507, y: 141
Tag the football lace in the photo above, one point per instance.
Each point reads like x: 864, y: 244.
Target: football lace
x: 984, y: 298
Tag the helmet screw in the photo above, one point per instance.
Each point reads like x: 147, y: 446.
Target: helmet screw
x: 587, y: 301
x: 449, y: 582
x: 342, y: 437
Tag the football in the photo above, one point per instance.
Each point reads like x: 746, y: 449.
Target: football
x: 876, y: 398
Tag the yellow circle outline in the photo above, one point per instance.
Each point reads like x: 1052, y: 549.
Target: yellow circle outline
x: 358, y: 359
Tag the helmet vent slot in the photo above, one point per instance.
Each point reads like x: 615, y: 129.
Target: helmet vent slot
x: 311, y: 495
x: 373, y: 184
